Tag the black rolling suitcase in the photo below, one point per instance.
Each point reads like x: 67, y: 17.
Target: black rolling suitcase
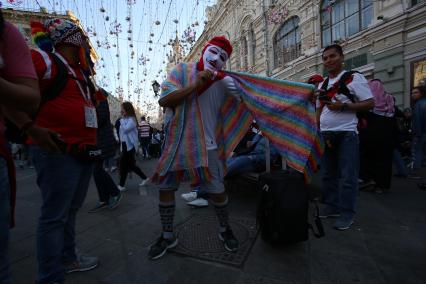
x: 282, y: 214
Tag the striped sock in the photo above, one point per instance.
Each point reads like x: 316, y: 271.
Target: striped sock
x: 222, y: 214
x: 167, y: 213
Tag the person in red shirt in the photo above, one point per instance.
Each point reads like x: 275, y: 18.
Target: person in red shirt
x: 19, y: 91
x: 64, y: 126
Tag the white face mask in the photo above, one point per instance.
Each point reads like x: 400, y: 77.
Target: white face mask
x: 214, y: 58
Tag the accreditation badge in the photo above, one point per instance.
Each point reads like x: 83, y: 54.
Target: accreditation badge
x: 90, y: 116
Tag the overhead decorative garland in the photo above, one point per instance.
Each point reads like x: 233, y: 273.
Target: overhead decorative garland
x: 14, y: 2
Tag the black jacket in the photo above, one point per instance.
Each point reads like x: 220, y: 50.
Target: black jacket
x: 105, y: 135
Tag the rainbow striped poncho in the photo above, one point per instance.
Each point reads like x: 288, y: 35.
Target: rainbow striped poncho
x: 282, y: 110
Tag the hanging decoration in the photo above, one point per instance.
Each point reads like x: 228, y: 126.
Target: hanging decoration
x: 115, y: 28
x: 189, y: 35
x: 15, y: 2
x: 105, y: 44
x: 119, y: 92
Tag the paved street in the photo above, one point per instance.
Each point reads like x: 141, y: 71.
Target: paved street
x: 387, y: 244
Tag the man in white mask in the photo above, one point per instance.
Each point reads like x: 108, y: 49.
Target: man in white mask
x: 194, y: 94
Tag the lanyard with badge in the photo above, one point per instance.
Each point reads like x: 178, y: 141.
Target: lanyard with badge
x: 89, y: 109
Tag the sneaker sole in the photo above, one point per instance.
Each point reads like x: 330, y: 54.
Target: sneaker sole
x: 344, y: 228
x: 197, y: 206
x: 329, y: 216
x: 97, y: 210
x: 188, y: 199
x: 82, y: 269
x: 224, y: 244
x: 175, y: 243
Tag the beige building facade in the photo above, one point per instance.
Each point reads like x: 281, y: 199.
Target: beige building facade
x: 384, y: 39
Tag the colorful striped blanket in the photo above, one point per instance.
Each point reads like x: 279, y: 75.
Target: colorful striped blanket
x: 282, y: 110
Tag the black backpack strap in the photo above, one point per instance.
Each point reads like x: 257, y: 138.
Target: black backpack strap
x: 318, y: 224
x: 324, y: 85
x: 343, y: 88
x: 58, y: 84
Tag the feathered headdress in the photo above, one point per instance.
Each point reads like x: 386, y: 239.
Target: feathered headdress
x: 55, y: 32
x: 41, y: 36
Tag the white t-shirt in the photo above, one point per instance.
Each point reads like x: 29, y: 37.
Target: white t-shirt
x: 336, y: 120
x: 210, y: 102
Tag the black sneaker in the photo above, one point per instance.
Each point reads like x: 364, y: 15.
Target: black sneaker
x: 83, y: 263
x: 114, y: 201
x: 229, y: 241
x: 160, y: 247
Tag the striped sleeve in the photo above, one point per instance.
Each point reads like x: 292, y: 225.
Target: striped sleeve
x: 173, y: 81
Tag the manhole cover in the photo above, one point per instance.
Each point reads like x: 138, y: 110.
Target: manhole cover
x: 198, y: 237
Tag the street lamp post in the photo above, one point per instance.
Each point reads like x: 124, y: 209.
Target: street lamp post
x: 156, y: 87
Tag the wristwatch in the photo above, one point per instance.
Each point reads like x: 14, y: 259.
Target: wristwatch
x: 344, y: 107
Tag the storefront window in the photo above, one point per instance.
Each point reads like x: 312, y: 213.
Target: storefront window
x: 419, y: 73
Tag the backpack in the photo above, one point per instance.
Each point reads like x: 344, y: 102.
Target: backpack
x: 13, y: 133
x: 342, y: 87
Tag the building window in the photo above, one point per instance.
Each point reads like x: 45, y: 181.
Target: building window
x: 415, y: 2
x: 287, y: 43
x: 252, y: 39
x: 244, y: 54
x: 343, y: 18
x: 237, y: 59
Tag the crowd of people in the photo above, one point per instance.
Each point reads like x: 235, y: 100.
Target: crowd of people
x: 50, y: 96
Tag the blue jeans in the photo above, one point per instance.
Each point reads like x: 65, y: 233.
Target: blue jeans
x: 4, y: 223
x: 244, y: 164
x: 417, y: 150
x: 341, y: 169
x: 63, y: 182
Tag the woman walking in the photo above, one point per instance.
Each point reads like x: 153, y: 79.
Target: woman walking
x: 129, y: 144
